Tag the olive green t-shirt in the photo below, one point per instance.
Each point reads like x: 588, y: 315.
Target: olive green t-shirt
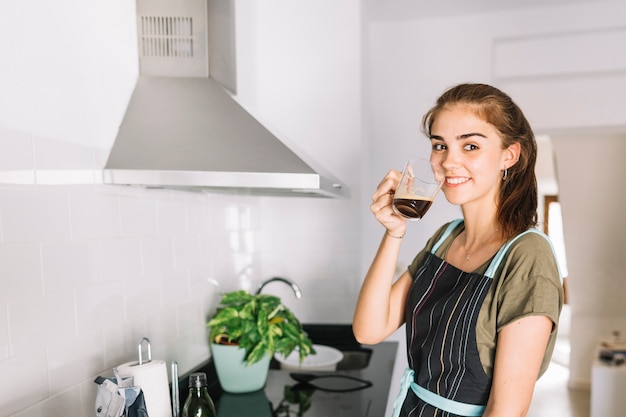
x: 526, y: 283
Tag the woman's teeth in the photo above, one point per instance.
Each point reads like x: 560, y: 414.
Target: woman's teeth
x: 456, y: 180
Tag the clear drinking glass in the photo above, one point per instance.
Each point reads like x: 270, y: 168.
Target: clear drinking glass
x: 420, y: 182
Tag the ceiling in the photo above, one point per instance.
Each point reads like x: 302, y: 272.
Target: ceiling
x: 424, y: 9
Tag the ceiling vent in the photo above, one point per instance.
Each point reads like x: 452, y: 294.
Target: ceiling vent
x: 187, y: 38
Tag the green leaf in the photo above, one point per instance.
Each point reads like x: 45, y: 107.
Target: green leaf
x: 260, y: 324
x: 256, y: 353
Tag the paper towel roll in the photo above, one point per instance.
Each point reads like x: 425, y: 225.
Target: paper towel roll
x: 152, y: 378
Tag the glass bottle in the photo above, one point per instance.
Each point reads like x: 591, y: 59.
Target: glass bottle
x: 198, y: 402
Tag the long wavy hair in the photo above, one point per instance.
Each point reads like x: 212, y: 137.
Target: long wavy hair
x: 517, y: 199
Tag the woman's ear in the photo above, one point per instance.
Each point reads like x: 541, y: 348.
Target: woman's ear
x: 512, y: 154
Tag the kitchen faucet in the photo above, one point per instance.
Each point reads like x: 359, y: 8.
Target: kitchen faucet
x: 293, y: 285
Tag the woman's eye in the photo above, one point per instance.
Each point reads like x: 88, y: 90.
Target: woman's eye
x: 438, y: 146
x: 470, y: 147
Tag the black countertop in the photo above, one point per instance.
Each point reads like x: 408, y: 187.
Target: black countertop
x: 283, y: 396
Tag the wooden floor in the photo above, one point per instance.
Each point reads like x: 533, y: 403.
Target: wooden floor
x: 552, y: 397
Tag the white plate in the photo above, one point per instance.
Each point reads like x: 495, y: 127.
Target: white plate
x: 326, y: 358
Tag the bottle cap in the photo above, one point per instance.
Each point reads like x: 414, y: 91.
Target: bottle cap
x: 197, y: 380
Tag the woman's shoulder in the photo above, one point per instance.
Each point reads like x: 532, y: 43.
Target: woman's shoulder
x: 446, y: 232
x: 533, y: 252
x: 532, y: 241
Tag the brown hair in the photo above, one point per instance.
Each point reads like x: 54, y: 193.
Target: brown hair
x: 517, y: 200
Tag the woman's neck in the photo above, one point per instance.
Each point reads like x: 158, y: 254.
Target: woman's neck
x: 481, y: 228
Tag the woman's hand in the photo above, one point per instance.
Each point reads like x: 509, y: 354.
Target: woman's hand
x: 382, y: 202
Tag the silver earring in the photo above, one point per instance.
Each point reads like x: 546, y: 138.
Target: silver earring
x: 504, y: 175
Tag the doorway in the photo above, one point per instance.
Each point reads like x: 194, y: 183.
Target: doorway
x: 551, y: 223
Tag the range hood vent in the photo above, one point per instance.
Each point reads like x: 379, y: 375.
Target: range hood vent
x: 183, y: 129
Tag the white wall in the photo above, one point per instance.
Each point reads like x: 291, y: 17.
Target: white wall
x: 87, y: 271
x: 69, y: 68
x: 408, y: 63
x: 298, y: 70
x: 595, y: 239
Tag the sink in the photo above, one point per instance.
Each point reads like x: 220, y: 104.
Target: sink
x: 339, y: 336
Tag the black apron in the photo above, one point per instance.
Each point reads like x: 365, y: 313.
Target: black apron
x: 445, y: 377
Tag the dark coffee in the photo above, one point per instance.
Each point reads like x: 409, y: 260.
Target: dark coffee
x: 412, y: 208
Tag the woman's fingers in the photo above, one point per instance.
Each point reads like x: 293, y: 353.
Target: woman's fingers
x: 383, y: 196
x: 382, y: 204
x: 387, y: 185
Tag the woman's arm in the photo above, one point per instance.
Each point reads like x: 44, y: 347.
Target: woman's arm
x: 380, y: 306
x: 520, y: 350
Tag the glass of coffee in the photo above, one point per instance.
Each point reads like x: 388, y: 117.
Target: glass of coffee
x: 420, y: 182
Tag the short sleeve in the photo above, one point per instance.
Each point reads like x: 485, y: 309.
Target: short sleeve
x: 527, y: 283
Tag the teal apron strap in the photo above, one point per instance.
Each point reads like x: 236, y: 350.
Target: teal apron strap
x: 446, y: 404
x: 453, y: 224
x: 493, y: 266
x: 442, y: 403
x: 405, y: 384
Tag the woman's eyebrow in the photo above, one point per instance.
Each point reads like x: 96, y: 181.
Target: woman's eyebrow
x: 469, y: 135
x: 460, y: 137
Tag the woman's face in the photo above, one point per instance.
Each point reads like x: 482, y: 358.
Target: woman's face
x: 470, y: 152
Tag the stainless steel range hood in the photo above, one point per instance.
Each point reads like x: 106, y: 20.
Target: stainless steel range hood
x: 188, y: 133
x: 184, y: 130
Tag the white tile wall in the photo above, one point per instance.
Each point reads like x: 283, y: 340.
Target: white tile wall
x: 68, y: 265
x: 35, y: 214
x: 21, y: 155
x: 93, y: 215
x: 21, y: 267
x: 86, y: 271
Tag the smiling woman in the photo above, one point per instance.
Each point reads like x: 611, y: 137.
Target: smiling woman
x: 485, y: 292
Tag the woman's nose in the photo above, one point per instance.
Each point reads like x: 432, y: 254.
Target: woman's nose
x: 450, y: 161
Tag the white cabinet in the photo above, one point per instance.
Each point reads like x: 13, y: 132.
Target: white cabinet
x: 608, y: 390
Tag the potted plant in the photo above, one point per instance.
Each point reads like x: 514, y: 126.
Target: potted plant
x: 245, y: 332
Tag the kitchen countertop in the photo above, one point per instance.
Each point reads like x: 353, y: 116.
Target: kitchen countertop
x: 283, y: 396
